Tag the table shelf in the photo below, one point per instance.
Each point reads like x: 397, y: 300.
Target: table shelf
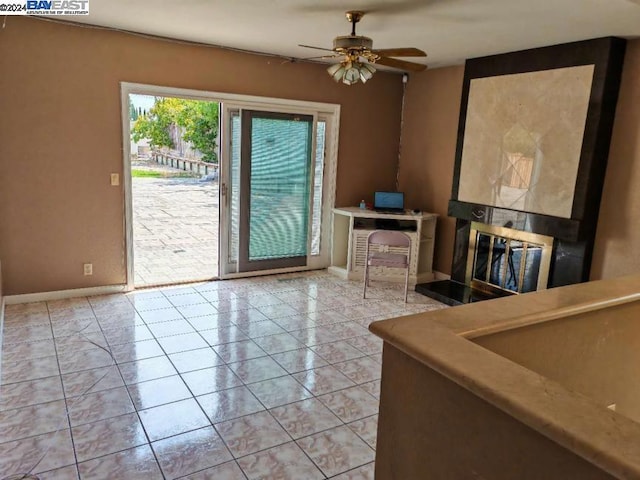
x: 351, y: 225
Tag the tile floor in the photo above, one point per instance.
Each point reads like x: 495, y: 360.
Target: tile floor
x: 268, y: 378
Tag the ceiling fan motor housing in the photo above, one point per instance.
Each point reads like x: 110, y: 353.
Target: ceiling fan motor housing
x: 352, y: 42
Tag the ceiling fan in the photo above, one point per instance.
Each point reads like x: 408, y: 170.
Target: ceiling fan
x: 358, y: 55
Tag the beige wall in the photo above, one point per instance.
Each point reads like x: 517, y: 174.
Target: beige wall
x: 429, y: 132
x: 428, y: 155
x: 616, y: 250
x: 61, y: 137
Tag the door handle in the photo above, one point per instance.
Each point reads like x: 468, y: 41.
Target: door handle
x: 223, y: 192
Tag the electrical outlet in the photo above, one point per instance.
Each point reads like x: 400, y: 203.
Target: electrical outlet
x: 88, y: 268
x: 115, y: 179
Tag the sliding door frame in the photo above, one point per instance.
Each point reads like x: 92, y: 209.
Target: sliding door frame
x: 328, y: 112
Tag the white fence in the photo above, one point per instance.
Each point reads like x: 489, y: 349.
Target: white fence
x: 186, y: 164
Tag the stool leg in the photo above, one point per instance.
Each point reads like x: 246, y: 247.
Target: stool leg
x: 366, y: 279
x: 406, y: 284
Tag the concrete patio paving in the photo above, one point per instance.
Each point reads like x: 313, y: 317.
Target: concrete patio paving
x: 175, y: 229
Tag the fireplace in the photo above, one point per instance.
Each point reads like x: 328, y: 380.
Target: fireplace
x: 533, y: 141
x: 505, y: 261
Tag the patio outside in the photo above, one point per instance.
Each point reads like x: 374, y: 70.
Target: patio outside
x: 175, y: 225
x: 175, y: 189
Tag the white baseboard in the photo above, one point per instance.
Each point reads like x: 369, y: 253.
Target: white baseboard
x: 441, y: 276
x: 2, y: 303
x: 61, y: 294
x: 340, y: 272
x: 276, y: 271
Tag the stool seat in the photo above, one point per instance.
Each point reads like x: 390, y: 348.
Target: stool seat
x: 383, y: 259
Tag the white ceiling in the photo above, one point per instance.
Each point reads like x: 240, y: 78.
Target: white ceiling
x: 448, y: 30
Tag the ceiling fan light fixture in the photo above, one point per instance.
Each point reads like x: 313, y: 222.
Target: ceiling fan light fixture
x: 358, y: 55
x: 337, y: 71
x: 333, y: 69
x: 366, y: 72
x: 350, y: 72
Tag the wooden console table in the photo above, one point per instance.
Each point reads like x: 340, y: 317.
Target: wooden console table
x: 352, y: 225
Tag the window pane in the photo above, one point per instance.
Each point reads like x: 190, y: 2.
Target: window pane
x: 234, y: 188
x: 280, y: 188
x: 316, y: 220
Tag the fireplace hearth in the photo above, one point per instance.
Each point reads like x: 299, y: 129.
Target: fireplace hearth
x: 533, y: 141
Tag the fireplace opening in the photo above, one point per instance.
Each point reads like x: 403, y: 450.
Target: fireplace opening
x: 504, y: 261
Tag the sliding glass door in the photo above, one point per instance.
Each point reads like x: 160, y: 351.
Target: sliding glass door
x: 274, y: 192
x: 277, y: 176
x: 275, y: 180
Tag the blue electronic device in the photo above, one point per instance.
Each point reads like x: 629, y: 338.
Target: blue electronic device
x: 391, y: 202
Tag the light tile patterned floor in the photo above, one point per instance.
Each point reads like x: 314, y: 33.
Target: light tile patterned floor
x: 271, y: 377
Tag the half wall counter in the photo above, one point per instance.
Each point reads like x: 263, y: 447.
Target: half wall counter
x: 532, y: 386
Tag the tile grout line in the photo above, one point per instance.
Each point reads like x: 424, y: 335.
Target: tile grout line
x: 245, y: 384
x: 65, y: 417
x: 66, y: 403
x: 117, y: 368
x: 297, y: 304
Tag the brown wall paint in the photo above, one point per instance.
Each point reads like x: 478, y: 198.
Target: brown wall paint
x: 61, y: 137
x: 616, y: 249
x: 428, y: 148
x: 427, y: 158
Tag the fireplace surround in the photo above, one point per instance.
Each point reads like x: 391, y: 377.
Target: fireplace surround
x: 532, y: 147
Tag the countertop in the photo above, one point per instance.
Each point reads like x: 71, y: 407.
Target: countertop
x: 441, y: 340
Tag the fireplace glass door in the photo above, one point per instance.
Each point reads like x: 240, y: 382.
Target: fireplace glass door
x: 508, y: 260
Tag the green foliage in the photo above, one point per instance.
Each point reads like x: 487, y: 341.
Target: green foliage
x: 133, y: 113
x: 145, y: 174
x: 154, y: 125
x: 199, y: 120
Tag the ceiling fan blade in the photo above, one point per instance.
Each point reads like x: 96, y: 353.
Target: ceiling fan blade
x: 321, y: 57
x: 400, y: 52
x: 305, y: 59
x: 382, y: 7
x: 401, y: 64
x: 316, y: 48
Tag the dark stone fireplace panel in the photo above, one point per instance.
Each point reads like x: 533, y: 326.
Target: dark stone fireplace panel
x: 561, y: 228
x: 461, y: 251
x: 571, y: 263
x: 573, y: 227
